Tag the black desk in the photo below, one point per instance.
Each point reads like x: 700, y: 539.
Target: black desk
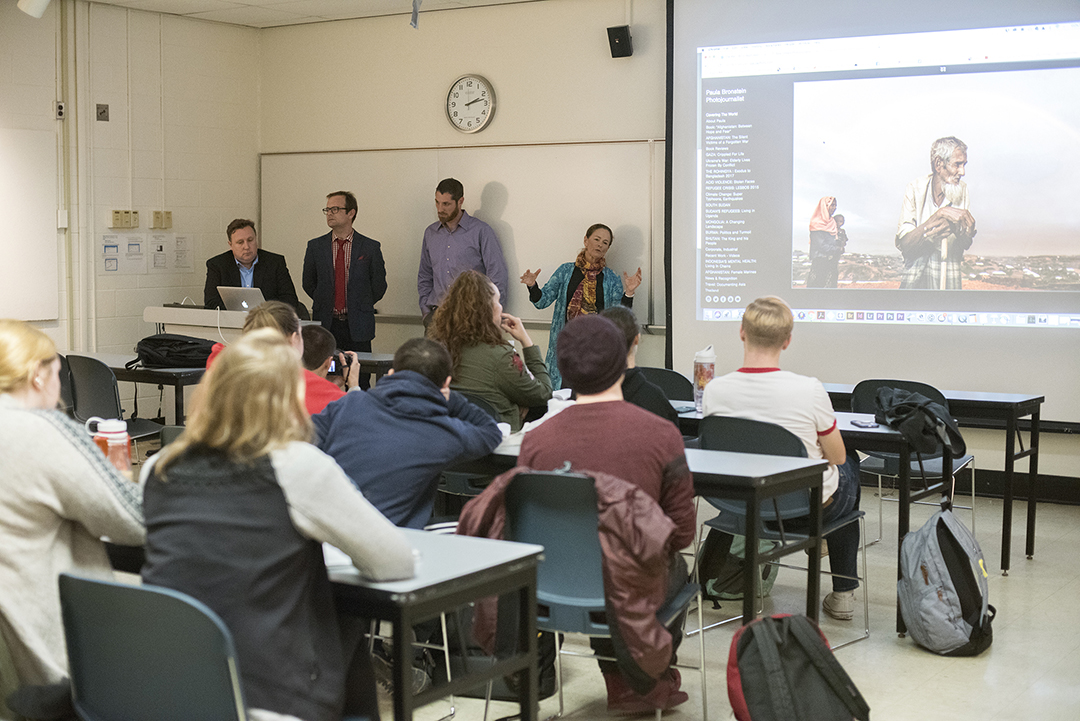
x: 881, y: 438
x: 178, y: 378
x: 377, y: 363
x: 451, y: 571
x: 969, y: 408
x: 754, y: 479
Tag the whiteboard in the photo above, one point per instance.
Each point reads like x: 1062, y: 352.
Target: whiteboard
x: 29, y: 272
x: 539, y: 199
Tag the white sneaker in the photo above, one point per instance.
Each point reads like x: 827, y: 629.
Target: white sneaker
x: 840, y: 605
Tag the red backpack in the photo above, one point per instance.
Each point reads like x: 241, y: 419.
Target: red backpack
x: 780, y: 668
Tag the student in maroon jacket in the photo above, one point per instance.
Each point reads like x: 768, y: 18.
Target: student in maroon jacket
x: 604, y: 433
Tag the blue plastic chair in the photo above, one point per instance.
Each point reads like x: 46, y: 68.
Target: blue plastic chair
x: 145, y: 652
x: 932, y: 468
x: 558, y: 510
x: 741, y: 435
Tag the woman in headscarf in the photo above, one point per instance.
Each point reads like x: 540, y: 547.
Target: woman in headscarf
x: 825, y: 246
x: 585, y: 286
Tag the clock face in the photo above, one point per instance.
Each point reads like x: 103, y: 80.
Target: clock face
x: 470, y: 104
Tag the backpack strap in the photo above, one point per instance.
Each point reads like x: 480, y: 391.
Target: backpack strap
x: 767, y: 639
x: 826, y: 664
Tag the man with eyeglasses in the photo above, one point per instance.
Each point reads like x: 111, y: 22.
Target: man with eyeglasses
x: 345, y: 276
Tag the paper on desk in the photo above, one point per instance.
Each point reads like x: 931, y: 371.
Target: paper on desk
x: 334, y: 557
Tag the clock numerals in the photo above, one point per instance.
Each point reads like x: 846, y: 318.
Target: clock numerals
x: 470, y: 104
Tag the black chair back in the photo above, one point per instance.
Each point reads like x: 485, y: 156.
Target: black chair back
x: 67, y: 402
x: 864, y: 400
x: 482, y: 405
x: 94, y: 389
x: 145, y: 652
x: 864, y: 395
x: 742, y: 435
x: 675, y: 385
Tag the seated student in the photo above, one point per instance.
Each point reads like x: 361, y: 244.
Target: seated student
x: 602, y: 432
x: 636, y: 388
x: 760, y: 391
x: 318, y: 392
x: 236, y: 511
x: 58, y: 497
x: 394, y: 440
x: 320, y: 350
x: 470, y: 322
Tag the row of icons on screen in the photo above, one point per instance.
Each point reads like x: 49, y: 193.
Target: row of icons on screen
x: 928, y: 317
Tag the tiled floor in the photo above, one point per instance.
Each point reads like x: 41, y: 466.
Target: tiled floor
x: 1032, y: 671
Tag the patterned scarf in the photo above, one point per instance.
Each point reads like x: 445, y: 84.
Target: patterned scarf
x: 584, y: 300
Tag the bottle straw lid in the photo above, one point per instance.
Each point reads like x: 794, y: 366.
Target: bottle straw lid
x: 705, y: 355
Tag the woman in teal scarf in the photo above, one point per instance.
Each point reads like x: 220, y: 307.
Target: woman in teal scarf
x: 585, y: 286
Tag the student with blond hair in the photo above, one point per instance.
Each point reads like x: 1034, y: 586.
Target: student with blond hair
x: 237, y: 509
x: 58, y: 497
x: 760, y: 391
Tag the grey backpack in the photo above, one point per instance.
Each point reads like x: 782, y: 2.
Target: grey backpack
x: 942, y: 588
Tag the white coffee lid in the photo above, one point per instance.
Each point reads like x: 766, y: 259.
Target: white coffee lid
x: 112, y: 425
x: 705, y: 355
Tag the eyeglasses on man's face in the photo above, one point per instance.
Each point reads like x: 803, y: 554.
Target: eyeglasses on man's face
x: 332, y: 210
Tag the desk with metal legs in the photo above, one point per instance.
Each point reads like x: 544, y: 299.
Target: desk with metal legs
x: 451, y: 571
x: 742, y: 477
x: 883, y: 439
x: 973, y: 408
x: 886, y: 439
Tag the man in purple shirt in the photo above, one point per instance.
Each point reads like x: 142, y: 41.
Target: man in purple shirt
x: 455, y: 243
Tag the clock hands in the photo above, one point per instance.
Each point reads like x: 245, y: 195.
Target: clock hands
x: 474, y: 100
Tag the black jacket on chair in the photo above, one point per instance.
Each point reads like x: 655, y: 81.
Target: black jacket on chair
x: 367, y: 283
x: 271, y: 277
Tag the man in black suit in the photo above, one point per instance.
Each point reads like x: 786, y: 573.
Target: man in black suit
x: 345, y: 276
x: 245, y: 265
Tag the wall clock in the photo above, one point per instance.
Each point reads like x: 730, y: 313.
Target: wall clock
x: 470, y: 103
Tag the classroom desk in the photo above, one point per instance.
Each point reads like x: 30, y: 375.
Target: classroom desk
x: 377, y: 363
x: 972, y: 408
x: 753, y: 479
x: 178, y: 378
x: 882, y: 438
x: 451, y: 571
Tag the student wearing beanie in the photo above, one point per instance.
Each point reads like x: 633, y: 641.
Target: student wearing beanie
x: 604, y: 433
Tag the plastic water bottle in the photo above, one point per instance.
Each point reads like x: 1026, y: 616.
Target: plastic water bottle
x: 113, y: 440
x: 704, y: 370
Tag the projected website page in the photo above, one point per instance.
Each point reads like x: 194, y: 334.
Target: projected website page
x: 929, y: 178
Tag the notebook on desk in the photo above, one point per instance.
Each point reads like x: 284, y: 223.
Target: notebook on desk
x: 242, y: 299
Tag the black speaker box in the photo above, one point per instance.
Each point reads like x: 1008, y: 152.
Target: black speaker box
x: 619, y: 39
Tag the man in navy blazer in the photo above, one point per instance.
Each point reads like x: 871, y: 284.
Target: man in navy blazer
x: 348, y: 309
x: 246, y: 265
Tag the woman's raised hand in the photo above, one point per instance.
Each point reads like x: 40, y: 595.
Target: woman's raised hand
x: 513, y: 325
x: 630, y: 283
x: 529, y: 277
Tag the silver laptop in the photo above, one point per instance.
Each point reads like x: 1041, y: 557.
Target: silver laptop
x: 242, y: 299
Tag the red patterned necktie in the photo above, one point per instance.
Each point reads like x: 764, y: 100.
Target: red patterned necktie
x: 339, y: 279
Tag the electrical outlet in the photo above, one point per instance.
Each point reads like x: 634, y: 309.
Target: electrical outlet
x: 134, y: 219
x: 117, y: 219
x: 167, y: 219
x: 61, y: 110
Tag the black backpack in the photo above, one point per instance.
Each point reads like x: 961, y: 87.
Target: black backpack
x: 780, y: 668
x: 169, y: 350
